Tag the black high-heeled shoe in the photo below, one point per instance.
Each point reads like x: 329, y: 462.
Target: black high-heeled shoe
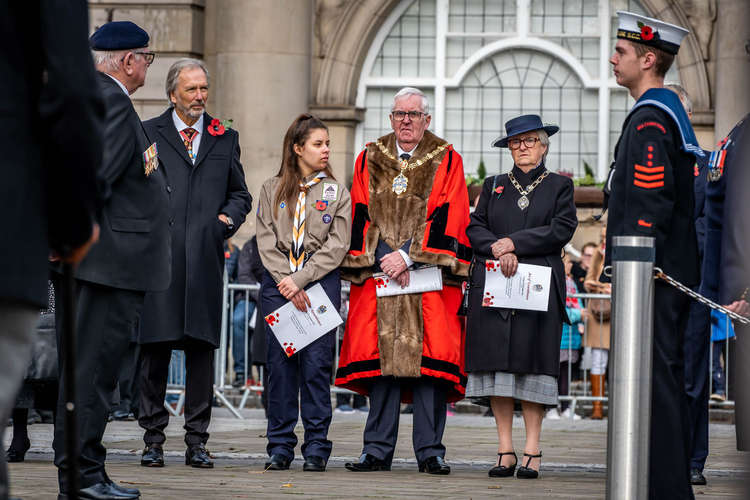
x: 525, y: 472
x: 501, y: 470
x: 16, y: 455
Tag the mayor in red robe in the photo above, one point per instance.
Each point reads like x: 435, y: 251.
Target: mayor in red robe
x: 410, y: 210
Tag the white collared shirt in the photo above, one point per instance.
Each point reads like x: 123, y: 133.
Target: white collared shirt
x: 119, y: 84
x: 198, y: 126
x: 401, y: 151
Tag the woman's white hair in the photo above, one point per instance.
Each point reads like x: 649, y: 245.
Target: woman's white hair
x: 409, y: 91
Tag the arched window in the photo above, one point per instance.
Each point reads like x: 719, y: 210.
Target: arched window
x: 482, y: 62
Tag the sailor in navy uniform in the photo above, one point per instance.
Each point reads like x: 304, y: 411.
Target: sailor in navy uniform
x: 725, y: 264
x: 651, y: 194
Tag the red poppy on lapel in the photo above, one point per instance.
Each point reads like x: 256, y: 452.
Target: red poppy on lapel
x: 499, y: 190
x: 216, y: 127
x: 321, y: 205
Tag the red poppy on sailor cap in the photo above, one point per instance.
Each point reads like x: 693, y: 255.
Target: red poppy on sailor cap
x: 650, y: 31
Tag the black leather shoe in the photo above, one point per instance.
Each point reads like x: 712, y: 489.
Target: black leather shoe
x: 130, y: 491
x: 314, y: 464
x: 368, y: 463
x: 697, y: 478
x: 197, y: 456
x: 526, y: 472
x: 103, y: 491
x: 16, y: 455
x: 435, y: 465
x: 502, y: 470
x: 153, y: 456
x: 123, y: 416
x: 278, y: 462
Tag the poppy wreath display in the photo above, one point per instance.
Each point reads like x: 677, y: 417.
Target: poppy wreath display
x: 218, y: 127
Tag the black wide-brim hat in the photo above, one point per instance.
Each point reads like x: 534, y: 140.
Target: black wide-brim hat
x: 521, y: 124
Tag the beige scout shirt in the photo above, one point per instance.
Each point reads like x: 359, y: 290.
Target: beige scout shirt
x: 327, y: 232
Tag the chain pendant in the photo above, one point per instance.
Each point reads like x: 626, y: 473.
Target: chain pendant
x: 400, y: 183
x: 523, y: 202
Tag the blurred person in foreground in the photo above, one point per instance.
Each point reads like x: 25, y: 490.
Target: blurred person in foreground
x: 52, y: 144
x: 726, y: 277
x: 208, y: 201
x: 526, y: 216
x: 411, y: 208
x: 651, y: 194
x: 132, y: 257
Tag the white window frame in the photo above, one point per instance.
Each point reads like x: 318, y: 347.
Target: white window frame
x: 522, y: 38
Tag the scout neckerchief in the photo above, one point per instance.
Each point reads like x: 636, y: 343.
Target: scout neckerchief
x: 401, y: 182
x: 669, y: 102
x: 297, y: 250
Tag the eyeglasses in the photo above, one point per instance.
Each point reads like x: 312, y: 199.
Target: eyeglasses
x: 148, y: 56
x: 413, y: 115
x: 527, y: 141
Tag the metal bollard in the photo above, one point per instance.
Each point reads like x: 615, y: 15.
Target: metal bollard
x: 628, y: 429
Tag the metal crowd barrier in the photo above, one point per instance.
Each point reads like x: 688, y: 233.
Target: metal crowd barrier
x: 579, y: 392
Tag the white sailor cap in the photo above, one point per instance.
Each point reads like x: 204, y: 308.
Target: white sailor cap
x: 649, y: 31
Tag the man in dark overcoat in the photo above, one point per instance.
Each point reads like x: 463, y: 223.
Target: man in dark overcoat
x: 51, y: 119
x: 651, y: 194
x: 132, y: 256
x: 726, y: 276
x: 208, y: 202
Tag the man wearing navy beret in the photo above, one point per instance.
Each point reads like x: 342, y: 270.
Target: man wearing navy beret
x: 131, y: 258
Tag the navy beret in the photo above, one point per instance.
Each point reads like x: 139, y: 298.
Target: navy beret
x: 119, y: 35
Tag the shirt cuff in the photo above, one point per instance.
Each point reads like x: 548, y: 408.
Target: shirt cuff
x: 406, y: 258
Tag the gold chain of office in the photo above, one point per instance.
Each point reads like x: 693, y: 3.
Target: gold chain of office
x: 523, y: 201
x: 401, y: 182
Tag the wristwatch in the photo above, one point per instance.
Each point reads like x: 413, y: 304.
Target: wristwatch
x: 230, y: 222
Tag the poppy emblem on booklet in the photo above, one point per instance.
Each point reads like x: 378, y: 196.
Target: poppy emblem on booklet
x: 491, y: 265
x: 272, y: 319
x: 381, y: 282
x: 289, y: 348
x: 322, y: 309
x: 487, y: 300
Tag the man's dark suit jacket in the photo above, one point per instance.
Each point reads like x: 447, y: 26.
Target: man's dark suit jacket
x: 134, y: 250
x: 199, y: 192
x: 51, y: 118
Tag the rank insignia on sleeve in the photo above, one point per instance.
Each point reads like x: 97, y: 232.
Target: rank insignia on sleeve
x: 150, y: 159
x: 649, y: 177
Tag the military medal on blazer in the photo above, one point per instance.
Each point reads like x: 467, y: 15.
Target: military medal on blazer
x: 150, y: 159
x: 401, y: 182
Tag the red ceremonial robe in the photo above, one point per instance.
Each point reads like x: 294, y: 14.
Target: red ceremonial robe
x: 412, y: 335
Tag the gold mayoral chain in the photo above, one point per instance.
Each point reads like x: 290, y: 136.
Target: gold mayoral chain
x: 400, y: 182
x: 523, y: 201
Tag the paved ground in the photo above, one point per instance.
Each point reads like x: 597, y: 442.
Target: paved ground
x: 573, y: 464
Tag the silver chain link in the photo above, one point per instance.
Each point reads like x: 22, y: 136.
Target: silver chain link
x: 659, y: 274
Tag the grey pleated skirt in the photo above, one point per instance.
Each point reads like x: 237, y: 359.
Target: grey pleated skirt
x: 535, y: 388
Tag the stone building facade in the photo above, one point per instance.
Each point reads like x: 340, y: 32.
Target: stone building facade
x: 341, y: 59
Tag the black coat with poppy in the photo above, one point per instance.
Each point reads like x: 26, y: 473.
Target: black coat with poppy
x: 520, y: 341
x: 198, y: 193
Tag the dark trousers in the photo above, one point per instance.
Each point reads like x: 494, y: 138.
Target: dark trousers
x: 697, y: 345
x: 199, y: 389
x: 129, y: 381
x: 381, y: 430
x: 741, y: 369
x: 105, y: 318
x: 669, y: 458
x: 300, y: 384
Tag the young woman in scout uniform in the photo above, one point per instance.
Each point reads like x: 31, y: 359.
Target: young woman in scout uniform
x: 303, y: 232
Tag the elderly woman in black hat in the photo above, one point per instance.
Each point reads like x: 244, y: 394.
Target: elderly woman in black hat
x: 526, y: 216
